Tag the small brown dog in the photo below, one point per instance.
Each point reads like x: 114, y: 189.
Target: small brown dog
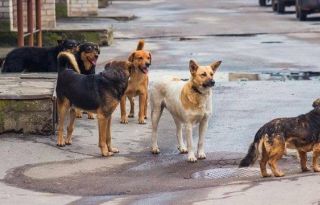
x: 138, y: 84
x: 271, y: 140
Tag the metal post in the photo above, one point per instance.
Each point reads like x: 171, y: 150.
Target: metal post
x: 20, y: 23
x: 30, y: 21
x: 38, y: 21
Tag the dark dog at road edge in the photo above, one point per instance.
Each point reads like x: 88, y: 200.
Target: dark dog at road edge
x: 35, y: 59
x: 97, y: 93
x: 271, y: 140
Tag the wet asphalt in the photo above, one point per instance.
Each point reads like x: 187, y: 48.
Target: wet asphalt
x: 246, y: 38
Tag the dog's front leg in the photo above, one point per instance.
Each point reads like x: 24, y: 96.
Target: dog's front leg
x: 142, y: 104
x: 102, y: 124
x: 202, y: 131
x: 191, y: 156
x: 109, y: 144
x: 124, y: 118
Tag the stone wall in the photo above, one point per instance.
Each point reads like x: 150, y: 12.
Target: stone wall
x: 82, y: 7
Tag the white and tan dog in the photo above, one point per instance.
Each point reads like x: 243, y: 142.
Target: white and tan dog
x: 188, y: 102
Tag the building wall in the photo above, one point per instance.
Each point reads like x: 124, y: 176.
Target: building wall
x: 82, y: 7
x: 5, y: 15
x: 8, y: 13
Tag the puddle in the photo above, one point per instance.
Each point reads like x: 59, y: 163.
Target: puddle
x: 223, y: 173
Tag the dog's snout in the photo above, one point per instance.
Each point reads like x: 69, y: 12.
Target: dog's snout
x: 148, y: 64
x: 96, y: 56
x: 213, y: 83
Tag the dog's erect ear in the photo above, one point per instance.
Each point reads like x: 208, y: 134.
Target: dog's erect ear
x: 193, y: 66
x: 131, y: 57
x: 140, y: 45
x: 150, y: 57
x: 215, y: 65
x: 60, y: 42
x: 316, y: 103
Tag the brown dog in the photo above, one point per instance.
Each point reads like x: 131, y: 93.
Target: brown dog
x: 271, y: 140
x: 138, y: 84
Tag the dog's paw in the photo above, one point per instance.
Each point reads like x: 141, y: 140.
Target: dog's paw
x: 182, y: 149
x: 266, y: 175
x: 114, y: 150
x: 90, y: 116
x: 305, y: 169
x: 106, y: 153
x: 155, y: 150
x: 124, y: 120
x: 68, y: 142
x: 192, y: 158
x: 78, y: 114
x: 201, y: 155
x: 141, y: 121
x: 131, y: 115
x: 61, y: 142
x: 316, y: 169
x: 279, y: 174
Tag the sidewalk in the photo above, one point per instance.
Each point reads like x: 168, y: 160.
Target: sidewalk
x: 45, y: 167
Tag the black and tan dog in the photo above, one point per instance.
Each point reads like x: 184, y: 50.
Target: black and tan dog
x: 87, y: 57
x: 35, y: 59
x: 98, y: 93
x: 271, y: 140
x: 138, y: 84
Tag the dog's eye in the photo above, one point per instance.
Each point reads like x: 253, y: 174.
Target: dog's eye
x: 211, y: 74
x: 140, y: 58
x: 204, y: 75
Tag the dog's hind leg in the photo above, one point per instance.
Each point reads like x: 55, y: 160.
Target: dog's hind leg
x: 102, y: 124
x: 276, y: 150
x: 131, y: 114
x: 156, y: 112
x: 63, y: 106
x: 124, y: 118
x: 263, y: 162
x: 181, y: 146
x: 316, y: 154
x: 70, y: 126
x: 303, y: 161
x: 146, y: 108
x: 108, y: 141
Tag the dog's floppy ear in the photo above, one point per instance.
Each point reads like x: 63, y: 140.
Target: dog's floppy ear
x: 316, y: 103
x: 215, y: 65
x: 131, y: 57
x: 193, y: 66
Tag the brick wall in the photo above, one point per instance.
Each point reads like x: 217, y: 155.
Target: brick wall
x: 5, y: 15
x: 82, y: 7
x: 48, y: 14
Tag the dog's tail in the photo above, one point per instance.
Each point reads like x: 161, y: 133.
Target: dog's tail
x: 140, y: 45
x: 253, y: 152
x: 67, y: 60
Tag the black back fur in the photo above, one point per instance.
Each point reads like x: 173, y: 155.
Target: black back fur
x: 35, y: 59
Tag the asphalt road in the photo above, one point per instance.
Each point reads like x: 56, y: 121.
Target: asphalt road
x: 246, y: 38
